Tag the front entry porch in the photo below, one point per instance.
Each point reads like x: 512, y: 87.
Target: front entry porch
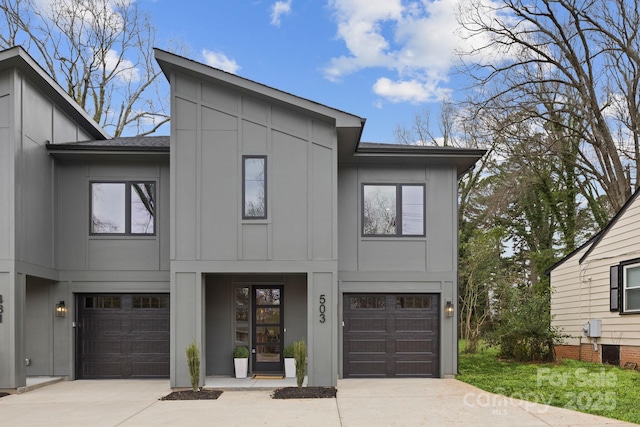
x: 263, y: 312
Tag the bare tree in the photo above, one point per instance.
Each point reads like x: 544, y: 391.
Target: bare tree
x: 99, y: 51
x: 564, y: 58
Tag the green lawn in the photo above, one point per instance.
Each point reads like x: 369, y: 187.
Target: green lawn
x: 586, y: 387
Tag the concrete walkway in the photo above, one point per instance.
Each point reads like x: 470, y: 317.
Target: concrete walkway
x: 366, y: 403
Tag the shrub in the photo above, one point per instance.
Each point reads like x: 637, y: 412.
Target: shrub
x: 193, y: 360
x: 522, y: 327
x: 288, y: 351
x: 241, y: 352
x: 300, y: 354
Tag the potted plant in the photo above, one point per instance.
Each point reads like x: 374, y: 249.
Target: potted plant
x: 289, y: 362
x: 241, y: 361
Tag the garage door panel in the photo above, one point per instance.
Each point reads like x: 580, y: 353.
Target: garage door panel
x: 419, y: 346
x: 391, y: 335
x: 369, y: 368
x: 414, y: 325
x: 368, y: 346
x: 367, y: 324
x: 123, y: 336
x: 413, y: 367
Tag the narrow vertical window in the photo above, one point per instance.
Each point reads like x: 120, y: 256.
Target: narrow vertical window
x: 254, y: 186
x: 413, y: 210
x: 143, y: 208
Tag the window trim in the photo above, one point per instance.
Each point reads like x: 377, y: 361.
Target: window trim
x: 399, y: 187
x: 622, y: 285
x: 244, y: 187
x: 127, y: 207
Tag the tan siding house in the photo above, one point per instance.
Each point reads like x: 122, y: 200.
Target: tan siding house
x: 596, y: 293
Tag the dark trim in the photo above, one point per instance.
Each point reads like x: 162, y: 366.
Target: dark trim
x: 54, y: 148
x: 244, y: 188
x: 127, y: 208
x: 398, y: 187
x: 621, y: 285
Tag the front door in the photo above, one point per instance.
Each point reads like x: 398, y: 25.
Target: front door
x: 267, y: 328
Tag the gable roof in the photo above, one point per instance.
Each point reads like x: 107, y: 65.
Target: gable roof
x: 17, y: 57
x: 597, y: 238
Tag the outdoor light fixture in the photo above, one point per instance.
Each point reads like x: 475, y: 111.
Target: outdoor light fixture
x: 448, y: 309
x: 61, y: 309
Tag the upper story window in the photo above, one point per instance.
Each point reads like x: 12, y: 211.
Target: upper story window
x: 393, y: 210
x: 127, y: 208
x: 254, y: 187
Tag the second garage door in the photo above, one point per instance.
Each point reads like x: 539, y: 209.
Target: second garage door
x: 123, y: 336
x: 391, y: 335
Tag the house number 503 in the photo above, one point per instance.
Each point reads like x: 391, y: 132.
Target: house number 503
x: 322, y: 308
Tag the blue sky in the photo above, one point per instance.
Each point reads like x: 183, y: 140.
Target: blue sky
x: 384, y: 60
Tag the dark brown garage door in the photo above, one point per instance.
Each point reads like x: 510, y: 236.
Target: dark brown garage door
x: 391, y: 335
x: 123, y: 336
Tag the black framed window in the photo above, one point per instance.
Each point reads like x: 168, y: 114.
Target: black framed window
x: 126, y: 208
x: 254, y: 187
x: 393, y: 210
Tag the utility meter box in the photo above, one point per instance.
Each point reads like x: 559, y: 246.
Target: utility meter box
x: 593, y: 328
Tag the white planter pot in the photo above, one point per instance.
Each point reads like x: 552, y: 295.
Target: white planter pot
x: 289, y: 367
x: 241, y: 364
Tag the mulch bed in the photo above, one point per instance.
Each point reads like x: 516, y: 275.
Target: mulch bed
x: 4, y: 394
x: 204, y: 394
x: 304, y: 393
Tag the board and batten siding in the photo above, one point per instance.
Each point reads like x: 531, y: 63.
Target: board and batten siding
x: 581, y: 290
x: 214, y: 128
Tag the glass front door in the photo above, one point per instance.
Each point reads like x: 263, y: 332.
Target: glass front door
x: 267, y: 329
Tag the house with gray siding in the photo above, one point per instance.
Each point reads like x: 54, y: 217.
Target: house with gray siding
x: 261, y: 220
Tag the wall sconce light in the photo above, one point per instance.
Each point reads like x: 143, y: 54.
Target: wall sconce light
x: 61, y: 309
x: 449, y: 309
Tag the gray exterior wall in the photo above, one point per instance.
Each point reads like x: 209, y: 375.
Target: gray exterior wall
x: 46, y: 252
x: 28, y: 121
x: 212, y: 128
x: 402, y: 264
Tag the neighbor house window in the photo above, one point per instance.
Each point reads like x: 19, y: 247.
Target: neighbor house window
x: 631, y: 287
x: 123, y: 208
x: 393, y: 210
x: 254, y: 187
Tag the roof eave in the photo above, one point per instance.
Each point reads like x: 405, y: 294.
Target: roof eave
x: 169, y: 61
x: 18, y: 58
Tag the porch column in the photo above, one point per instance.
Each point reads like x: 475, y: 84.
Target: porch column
x: 187, y: 308
x: 322, y: 329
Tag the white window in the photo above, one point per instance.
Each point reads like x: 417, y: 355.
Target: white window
x: 631, y: 287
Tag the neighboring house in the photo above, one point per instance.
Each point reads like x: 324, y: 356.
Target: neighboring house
x: 260, y: 221
x: 595, y: 296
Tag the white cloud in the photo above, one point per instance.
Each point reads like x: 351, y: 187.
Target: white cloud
x: 413, y: 91
x: 220, y: 60
x: 279, y: 9
x: 415, y: 40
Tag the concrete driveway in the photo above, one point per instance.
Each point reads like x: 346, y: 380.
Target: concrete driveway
x: 389, y: 402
